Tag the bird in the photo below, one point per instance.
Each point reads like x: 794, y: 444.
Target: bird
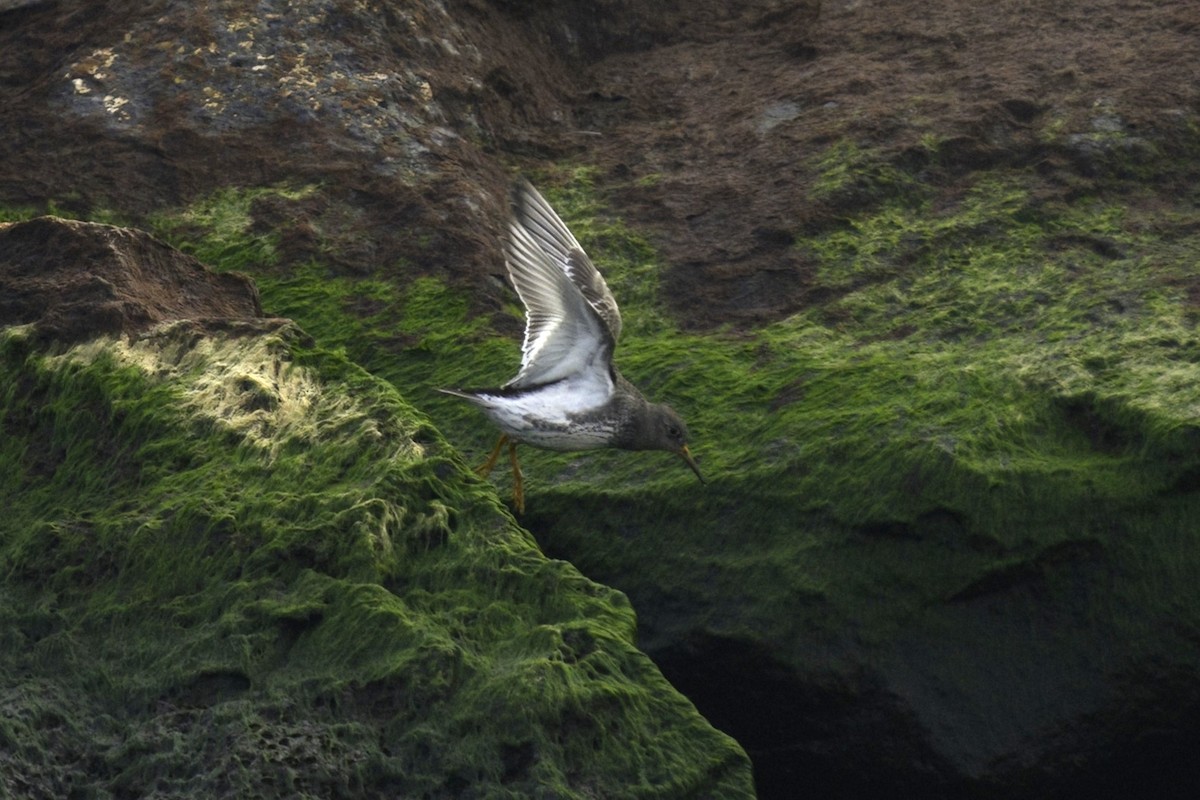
x: 567, y: 394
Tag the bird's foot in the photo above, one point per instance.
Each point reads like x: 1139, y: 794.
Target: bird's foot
x: 485, y: 469
x: 518, y: 478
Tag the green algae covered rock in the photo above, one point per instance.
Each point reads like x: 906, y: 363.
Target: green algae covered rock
x: 235, y: 565
x: 951, y: 512
x: 947, y: 535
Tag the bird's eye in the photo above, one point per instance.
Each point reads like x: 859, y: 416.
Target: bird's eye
x: 673, y: 432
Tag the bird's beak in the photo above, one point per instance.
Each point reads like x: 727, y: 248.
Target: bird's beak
x: 686, y: 455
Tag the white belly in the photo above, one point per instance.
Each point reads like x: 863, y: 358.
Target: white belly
x: 550, y: 417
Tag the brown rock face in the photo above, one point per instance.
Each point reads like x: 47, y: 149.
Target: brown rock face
x: 77, y: 280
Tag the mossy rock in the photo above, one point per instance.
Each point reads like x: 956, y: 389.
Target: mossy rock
x: 975, y: 458
x: 237, y: 565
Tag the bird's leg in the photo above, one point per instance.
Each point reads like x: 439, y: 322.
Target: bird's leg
x: 485, y: 469
x: 518, y: 478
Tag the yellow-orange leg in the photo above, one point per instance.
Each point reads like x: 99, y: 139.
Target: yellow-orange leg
x: 485, y: 469
x: 518, y: 478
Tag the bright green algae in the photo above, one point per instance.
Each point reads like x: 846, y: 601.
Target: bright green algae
x: 238, y: 565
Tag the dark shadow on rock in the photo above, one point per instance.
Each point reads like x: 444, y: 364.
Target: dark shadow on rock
x: 807, y: 738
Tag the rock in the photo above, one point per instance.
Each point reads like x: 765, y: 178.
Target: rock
x: 76, y: 280
x: 237, y: 565
x: 948, y: 551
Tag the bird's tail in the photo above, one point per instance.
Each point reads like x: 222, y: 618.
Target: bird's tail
x: 465, y: 394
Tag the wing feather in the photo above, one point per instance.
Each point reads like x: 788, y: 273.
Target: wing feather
x: 563, y: 334
x: 546, y: 228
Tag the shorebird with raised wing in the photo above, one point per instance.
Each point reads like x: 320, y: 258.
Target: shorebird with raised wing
x: 567, y: 394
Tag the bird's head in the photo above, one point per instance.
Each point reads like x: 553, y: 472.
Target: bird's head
x: 667, y: 431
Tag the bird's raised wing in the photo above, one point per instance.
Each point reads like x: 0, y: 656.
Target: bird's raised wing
x: 536, y: 216
x: 564, y: 336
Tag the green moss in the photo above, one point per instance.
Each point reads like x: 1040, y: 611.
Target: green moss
x: 217, y: 229
x: 241, y: 565
x: 960, y: 341
x: 847, y: 173
x: 17, y: 214
x: 1005, y: 378
x: 1000, y: 389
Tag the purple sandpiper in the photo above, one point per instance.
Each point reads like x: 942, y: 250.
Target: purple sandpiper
x: 567, y: 394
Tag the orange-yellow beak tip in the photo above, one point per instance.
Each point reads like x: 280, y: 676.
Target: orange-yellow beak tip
x: 686, y: 455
